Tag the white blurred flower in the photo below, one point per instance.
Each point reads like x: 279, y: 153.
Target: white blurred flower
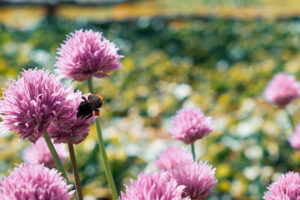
x: 249, y: 127
x: 251, y: 173
x: 254, y: 152
x: 182, y: 90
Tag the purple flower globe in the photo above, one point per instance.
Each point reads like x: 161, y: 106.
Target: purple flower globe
x: 282, y: 89
x: 198, y: 179
x: 156, y: 186
x: 73, y: 130
x: 287, y: 187
x: 172, y: 157
x: 295, y: 139
x: 190, y: 124
x: 39, y: 153
x: 85, y: 54
x: 31, y: 103
x: 35, y: 182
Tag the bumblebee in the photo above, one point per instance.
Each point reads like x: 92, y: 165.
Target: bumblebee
x: 90, y: 106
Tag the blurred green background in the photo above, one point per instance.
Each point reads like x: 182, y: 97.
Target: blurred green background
x: 215, y: 55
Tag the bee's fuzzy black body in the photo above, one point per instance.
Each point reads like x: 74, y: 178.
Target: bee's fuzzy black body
x: 92, y: 103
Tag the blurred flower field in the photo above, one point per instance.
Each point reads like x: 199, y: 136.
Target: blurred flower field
x: 220, y: 65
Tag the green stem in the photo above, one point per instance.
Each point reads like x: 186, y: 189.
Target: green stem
x: 90, y: 84
x: 103, y: 155
x: 75, y: 172
x: 193, y: 150
x: 56, y: 159
x: 290, y: 119
x: 261, y: 165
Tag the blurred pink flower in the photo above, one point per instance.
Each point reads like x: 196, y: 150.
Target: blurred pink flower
x: 190, y: 124
x: 282, y: 89
x: 295, y: 138
x: 85, y: 54
x: 73, y: 130
x: 198, y: 179
x: 30, y: 104
x: 287, y: 187
x: 172, y: 157
x: 156, y: 186
x: 35, y: 182
x: 39, y: 153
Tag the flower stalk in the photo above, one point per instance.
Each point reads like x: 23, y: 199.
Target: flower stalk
x: 54, y: 154
x: 193, y: 150
x: 75, y: 172
x: 290, y: 118
x: 103, y: 156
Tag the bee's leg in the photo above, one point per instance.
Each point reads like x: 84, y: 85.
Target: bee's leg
x: 97, y: 112
x: 84, y: 99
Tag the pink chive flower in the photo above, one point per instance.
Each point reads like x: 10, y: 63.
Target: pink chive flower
x: 189, y: 125
x: 156, y: 186
x: 282, y: 89
x: 35, y: 182
x: 85, y: 54
x: 73, y: 130
x: 31, y: 103
x: 287, y: 187
x: 198, y: 179
x: 295, y: 139
x: 172, y: 157
x: 39, y: 153
x: 3, y: 197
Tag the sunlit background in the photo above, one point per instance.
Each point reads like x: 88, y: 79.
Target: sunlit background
x: 211, y: 54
